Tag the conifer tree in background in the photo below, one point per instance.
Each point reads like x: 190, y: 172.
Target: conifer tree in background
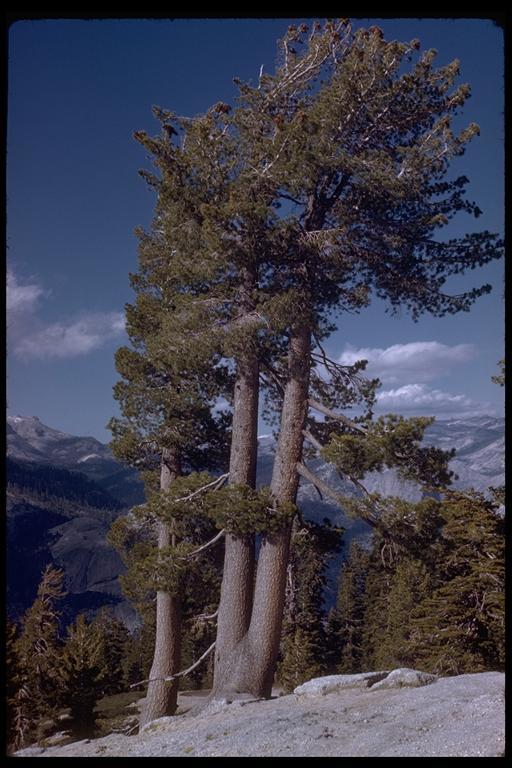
x: 387, y: 629
x: 460, y: 626
x: 18, y: 723
x: 139, y: 654
x: 303, y: 644
x: 115, y: 641
x: 38, y: 650
x: 401, y: 568
x: 350, y: 611
x: 361, y: 148
x: 84, y: 672
x: 431, y: 594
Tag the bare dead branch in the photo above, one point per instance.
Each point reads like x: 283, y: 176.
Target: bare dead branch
x: 337, y: 416
x: 251, y: 320
x: 203, y: 547
x: 274, y: 375
x: 217, y: 483
x: 206, y: 616
x: 183, y: 673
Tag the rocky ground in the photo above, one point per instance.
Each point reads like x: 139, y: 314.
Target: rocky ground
x: 402, y: 714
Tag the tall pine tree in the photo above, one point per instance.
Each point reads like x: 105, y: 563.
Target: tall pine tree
x: 167, y: 395
x: 360, y: 144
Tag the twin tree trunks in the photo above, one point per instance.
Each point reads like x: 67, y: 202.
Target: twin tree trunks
x: 250, y: 617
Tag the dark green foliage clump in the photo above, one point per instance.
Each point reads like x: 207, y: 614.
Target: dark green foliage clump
x: 84, y: 671
x: 391, y: 441
x: 38, y: 650
x: 429, y: 593
x: 241, y: 510
x: 48, y: 675
x: 234, y: 508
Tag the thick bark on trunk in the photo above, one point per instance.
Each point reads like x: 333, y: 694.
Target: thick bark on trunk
x: 238, y: 576
x: 236, y: 594
x: 162, y: 696
x: 251, y: 666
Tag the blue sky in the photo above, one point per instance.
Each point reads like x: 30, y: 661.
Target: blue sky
x: 78, y: 90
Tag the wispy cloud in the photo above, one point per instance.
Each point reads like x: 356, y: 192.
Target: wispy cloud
x: 30, y: 337
x: 72, y: 339
x: 421, y: 399
x: 419, y: 361
x: 22, y: 299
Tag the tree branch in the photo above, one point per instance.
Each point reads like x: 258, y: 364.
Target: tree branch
x: 337, y: 416
x: 178, y: 674
x: 318, y: 445
x: 312, y: 439
x: 289, y: 197
x: 325, y: 489
x: 215, y: 484
x: 203, y: 547
x: 206, y: 616
x: 319, y: 484
x: 274, y: 375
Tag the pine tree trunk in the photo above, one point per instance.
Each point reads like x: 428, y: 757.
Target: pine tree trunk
x: 162, y: 696
x: 251, y: 665
x: 238, y: 575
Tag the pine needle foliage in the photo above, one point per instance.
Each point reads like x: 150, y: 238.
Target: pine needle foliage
x: 431, y: 593
x: 38, y: 649
x: 84, y: 673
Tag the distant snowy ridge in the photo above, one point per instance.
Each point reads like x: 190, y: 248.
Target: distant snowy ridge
x: 89, y: 456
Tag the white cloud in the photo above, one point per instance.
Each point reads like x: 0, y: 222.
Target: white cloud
x: 419, y: 361
x: 72, y: 339
x: 30, y: 337
x: 421, y: 399
x: 22, y: 298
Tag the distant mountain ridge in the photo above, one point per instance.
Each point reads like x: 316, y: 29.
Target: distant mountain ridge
x: 29, y: 440
x: 479, y: 442
x: 63, y: 492
x: 479, y: 461
x: 47, y: 523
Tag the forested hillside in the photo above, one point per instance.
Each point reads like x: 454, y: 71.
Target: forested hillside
x: 61, y: 518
